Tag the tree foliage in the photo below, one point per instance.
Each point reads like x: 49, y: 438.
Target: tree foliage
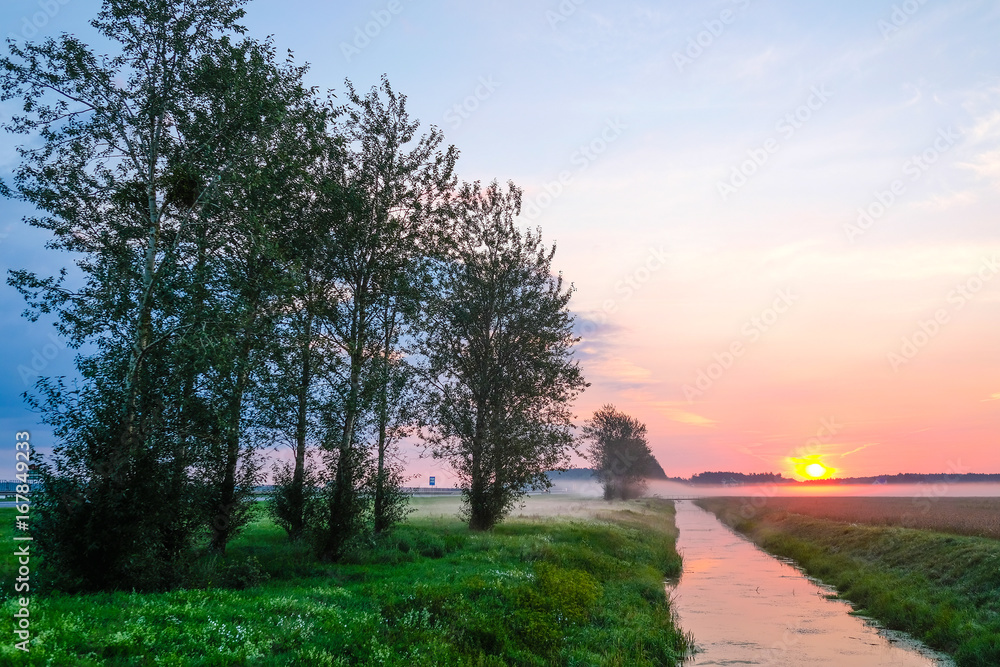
x: 498, y: 345
x: 257, y: 265
x: 153, y: 169
x: 620, y: 453
x: 385, y: 194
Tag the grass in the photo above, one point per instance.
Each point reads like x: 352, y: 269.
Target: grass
x: 978, y: 517
x: 536, y: 591
x: 943, y: 589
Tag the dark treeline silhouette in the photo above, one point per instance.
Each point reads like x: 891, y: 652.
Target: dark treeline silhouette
x: 738, y: 478
x: 258, y: 265
x: 777, y: 478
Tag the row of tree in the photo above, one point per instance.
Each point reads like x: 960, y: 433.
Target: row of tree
x: 738, y: 478
x: 258, y: 264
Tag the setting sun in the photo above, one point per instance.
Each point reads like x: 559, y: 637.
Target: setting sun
x: 811, y: 467
x: 815, y: 470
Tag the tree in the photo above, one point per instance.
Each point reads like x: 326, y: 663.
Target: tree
x: 299, y: 359
x: 620, y: 453
x: 137, y: 152
x: 497, y: 338
x: 256, y: 235
x: 396, y: 410
x: 294, y: 400
x: 386, y: 197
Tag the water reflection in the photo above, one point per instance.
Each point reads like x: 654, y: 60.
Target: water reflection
x: 745, y: 607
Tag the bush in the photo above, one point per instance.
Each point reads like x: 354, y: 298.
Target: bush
x: 214, y: 571
x: 569, y: 594
x: 108, y: 534
x: 243, y: 574
x: 293, y: 506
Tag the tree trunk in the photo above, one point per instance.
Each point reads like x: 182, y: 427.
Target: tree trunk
x: 222, y: 527
x: 297, y: 492
x: 381, y: 520
x: 343, y: 508
x: 479, y: 515
x: 143, y: 333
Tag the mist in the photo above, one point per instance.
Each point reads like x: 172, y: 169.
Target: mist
x: 666, y: 489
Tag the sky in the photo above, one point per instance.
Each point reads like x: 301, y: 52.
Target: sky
x: 780, y: 218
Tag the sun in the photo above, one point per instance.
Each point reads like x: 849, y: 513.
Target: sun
x: 815, y: 470
x: 811, y: 467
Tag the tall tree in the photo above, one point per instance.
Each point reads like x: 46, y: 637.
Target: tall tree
x: 136, y: 150
x: 396, y: 407
x: 300, y: 358
x: 620, y: 453
x: 257, y: 235
x: 387, y: 196
x: 498, y: 343
x: 294, y: 401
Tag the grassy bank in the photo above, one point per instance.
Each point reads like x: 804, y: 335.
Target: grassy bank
x: 943, y: 589
x: 977, y: 517
x: 580, y: 590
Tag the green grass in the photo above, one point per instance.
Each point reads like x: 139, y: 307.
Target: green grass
x: 553, y: 591
x: 942, y: 589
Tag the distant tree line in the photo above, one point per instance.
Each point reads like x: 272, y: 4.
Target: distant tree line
x: 739, y: 478
x: 777, y: 478
x: 256, y: 264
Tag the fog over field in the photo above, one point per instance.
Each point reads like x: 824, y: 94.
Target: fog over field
x: 929, y: 490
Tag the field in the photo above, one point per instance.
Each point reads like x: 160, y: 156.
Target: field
x: 942, y: 588
x: 961, y: 516
x: 569, y: 582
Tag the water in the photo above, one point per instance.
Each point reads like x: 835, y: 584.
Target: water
x: 745, y: 607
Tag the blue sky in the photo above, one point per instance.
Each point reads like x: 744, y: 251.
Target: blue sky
x: 694, y: 160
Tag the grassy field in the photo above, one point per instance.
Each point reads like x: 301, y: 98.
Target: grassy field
x: 979, y: 517
x: 942, y: 588
x: 570, y: 582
